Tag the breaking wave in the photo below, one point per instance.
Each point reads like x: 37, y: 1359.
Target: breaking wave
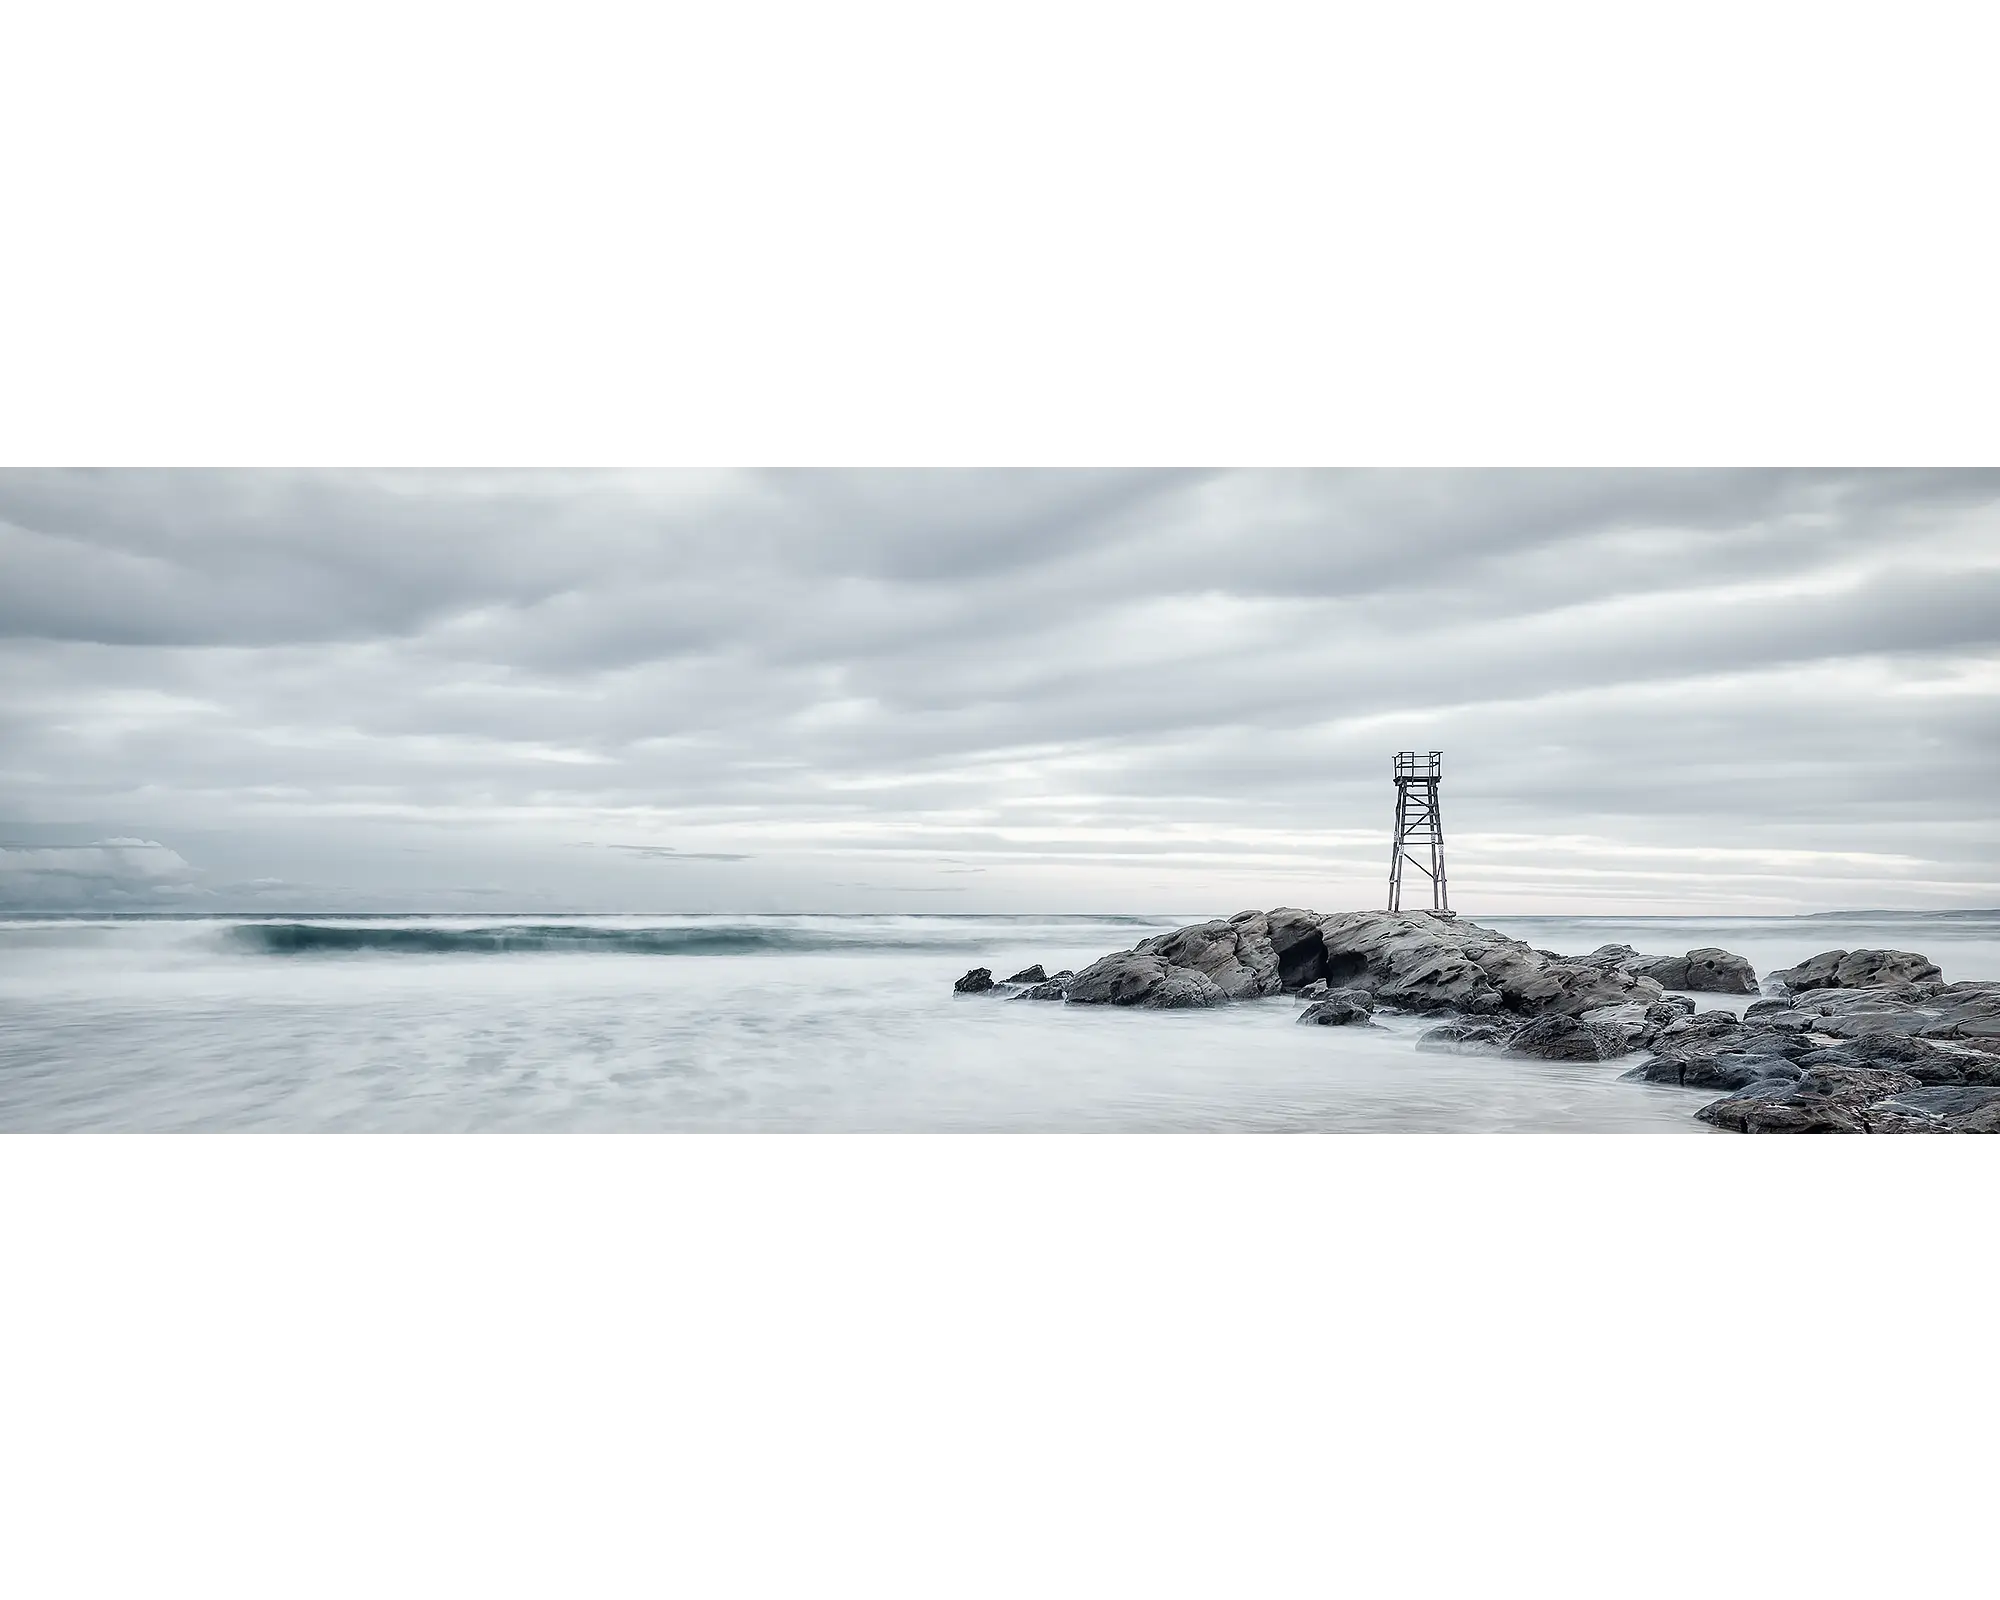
x: 722, y: 938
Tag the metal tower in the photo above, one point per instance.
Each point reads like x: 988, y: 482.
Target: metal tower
x: 1419, y: 825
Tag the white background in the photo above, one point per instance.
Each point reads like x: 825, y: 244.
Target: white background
x: 879, y: 234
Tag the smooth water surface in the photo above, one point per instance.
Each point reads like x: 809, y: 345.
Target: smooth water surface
x: 763, y: 1024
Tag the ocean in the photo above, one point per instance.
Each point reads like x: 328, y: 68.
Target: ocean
x: 769, y: 1024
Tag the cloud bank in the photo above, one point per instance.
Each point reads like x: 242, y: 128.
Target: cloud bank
x: 1724, y: 691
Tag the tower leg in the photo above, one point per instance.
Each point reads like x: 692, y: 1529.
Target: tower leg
x: 1441, y: 901
x: 1396, y: 853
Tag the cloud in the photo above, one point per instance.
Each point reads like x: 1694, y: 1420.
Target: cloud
x: 108, y: 874
x: 1095, y: 691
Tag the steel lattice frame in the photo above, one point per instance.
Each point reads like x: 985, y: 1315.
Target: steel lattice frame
x: 1419, y: 825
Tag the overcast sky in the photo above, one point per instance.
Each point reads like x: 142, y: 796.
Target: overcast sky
x: 936, y: 691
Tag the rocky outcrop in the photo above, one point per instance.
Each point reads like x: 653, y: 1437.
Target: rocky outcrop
x: 1560, y: 1037
x: 1476, y: 1037
x: 1831, y: 1099
x: 1139, y: 978
x: 1339, y: 1008
x: 1236, y: 956
x: 1836, y: 1052
x: 1704, y: 971
x: 1902, y: 1058
x: 1857, y: 969
x: 1055, y: 988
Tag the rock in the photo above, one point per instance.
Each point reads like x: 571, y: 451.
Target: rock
x: 1056, y: 988
x: 1953, y: 1110
x: 1928, y: 1061
x: 1338, y: 1009
x: 1418, y: 962
x: 1823, y: 1100
x: 1782, y: 1108
x: 1530, y: 983
x: 1464, y: 1038
x: 1133, y: 978
x: 1712, y: 971
x: 1184, y: 989
x: 978, y: 981
x: 1032, y: 974
x: 1631, y: 1022
x: 1705, y: 971
x: 1669, y: 972
x: 1560, y: 1037
x: 1123, y: 979
x: 1818, y: 973
x: 1298, y: 945
x: 1316, y: 990
x: 1237, y: 955
x: 1718, y: 1050
x: 1719, y: 1069
x: 1857, y: 969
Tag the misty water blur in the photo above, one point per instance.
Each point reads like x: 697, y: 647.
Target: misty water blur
x: 765, y: 1024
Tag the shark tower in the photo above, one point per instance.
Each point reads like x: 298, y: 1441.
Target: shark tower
x: 1419, y: 829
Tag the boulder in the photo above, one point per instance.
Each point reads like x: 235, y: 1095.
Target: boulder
x: 1857, y: 969
x: 1669, y: 972
x: 1235, y: 955
x: 1712, y: 971
x: 978, y: 981
x: 1633, y: 1023
x: 1930, y: 1062
x: 1032, y: 974
x: 1417, y: 962
x: 1481, y: 1037
x: 1056, y: 988
x: 1822, y: 1100
x: 1340, y: 1008
x: 1184, y: 989
x: 1560, y: 1037
x: 1704, y: 971
x: 1945, y: 1110
x: 1135, y: 978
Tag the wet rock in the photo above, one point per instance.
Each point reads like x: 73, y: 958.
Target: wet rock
x: 1298, y: 945
x: 1236, y: 955
x: 1719, y: 1069
x: 1712, y: 971
x: 1633, y: 1023
x: 1055, y: 988
x: 1782, y: 1108
x: 1971, y: 1109
x: 1134, y: 978
x: 1184, y: 989
x: 1857, y: 969
x: 978, y: 981
x: 1464, y: 1038
x: 1032, y: 974
x: 1928, y: 1061
x: 1705, y: 971
x: 1560, y: 1037
x: 1340, y: 1008
x: 1121, y: 979
x: 1316, y: 990
x: 1822, y: 1100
